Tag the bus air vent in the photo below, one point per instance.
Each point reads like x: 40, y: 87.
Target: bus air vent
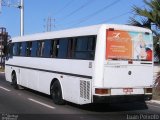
x: 85, y: 89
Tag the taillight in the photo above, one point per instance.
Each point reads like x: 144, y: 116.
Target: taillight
x: 102, y: 91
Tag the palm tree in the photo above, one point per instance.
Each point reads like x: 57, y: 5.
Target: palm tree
x: 150, y: 18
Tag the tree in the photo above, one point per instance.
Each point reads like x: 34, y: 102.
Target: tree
x: 150, y: 18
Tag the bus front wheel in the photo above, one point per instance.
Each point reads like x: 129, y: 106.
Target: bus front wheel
x: 56, y: 93
x: 14, y: 81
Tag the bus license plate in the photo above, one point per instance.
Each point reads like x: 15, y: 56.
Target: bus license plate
x: 127, y: 90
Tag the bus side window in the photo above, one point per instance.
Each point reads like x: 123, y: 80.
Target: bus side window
x: 84, y: 48
x: 28, y: 49
x: 91, y: 47
x: 54, y: 48
x: 47, y: 47
x: 80, y: 51
x: 15, y: 49
x: 10, y: 50
x: 34, y: 49
x: 63, y: 48
x: 19, y: 49
x: 71, y: 47
x: 23, y: 49
x: 92, y: 44
x: 40, y: 48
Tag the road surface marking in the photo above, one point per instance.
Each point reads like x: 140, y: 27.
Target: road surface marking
x: 154, y: 106
x: 41, y: 103
x: 5, y: 89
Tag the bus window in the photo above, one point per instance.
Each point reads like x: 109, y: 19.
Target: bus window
x: 28, y: 49
x: 34, y: 48
x: 84, y: 48
x: 63, y: 48
x: 23, y: 50
x: 81, y: 48
x: 15, y: 49
x: 40, y: 48
x: 54, y: 48
x: 91, y: 47
x: 47, y: 47
x: 71, y: 47
x: 10, y: 50
x: 19, y: 48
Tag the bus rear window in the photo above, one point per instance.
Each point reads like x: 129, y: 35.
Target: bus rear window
x: 128, y: 45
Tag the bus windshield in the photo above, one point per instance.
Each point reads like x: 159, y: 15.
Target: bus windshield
x: 129, y: 45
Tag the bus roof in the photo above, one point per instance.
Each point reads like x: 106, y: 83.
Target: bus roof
x: 81, y: 31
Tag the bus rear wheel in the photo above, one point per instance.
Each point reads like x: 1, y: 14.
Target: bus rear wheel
x: 14, y: 81
x: 56, y: 93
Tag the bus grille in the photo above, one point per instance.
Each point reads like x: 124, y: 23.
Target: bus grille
x: 85, y: 89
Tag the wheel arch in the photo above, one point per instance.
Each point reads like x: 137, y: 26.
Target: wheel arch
x: 52, y: 82
x: 13, y: 72
x: 15, y: 82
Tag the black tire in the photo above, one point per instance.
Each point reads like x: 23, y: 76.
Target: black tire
x: 56, y: 93
x: 14, y: 81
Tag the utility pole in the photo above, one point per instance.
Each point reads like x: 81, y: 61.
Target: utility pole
x: 21, y: 7
x: 0, y: 6
x: 18, y: 5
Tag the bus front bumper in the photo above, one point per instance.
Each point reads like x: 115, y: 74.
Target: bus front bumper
x: 121, y: 98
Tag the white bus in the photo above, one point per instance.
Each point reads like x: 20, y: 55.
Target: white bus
x: 97, y: 64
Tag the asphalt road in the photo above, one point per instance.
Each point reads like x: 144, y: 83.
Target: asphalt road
x: 26, y: 104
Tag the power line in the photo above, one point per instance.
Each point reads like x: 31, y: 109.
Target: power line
x: 97, y: 12
x: 118, y: 16
x: 112, y: 18
x: 64, y: 7
x: 78, y: 9
x: 91, y: 15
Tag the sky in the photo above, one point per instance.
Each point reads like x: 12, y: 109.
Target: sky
x: 66, y: 14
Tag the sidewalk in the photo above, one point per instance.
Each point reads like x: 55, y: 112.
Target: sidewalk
x: 154, y: 101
